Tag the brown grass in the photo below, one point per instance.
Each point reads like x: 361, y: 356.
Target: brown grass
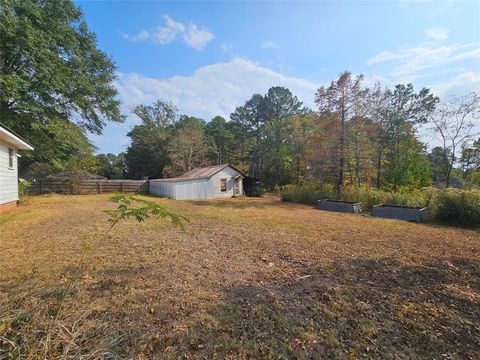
x: 249, y: 278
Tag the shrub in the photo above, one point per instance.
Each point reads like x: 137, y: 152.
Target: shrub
x: 23, y: 186
x: 368, y: 196
x: 307, y: 194
x: 458, y: 206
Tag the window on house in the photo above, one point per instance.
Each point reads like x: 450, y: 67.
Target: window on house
x: 223, y: 184
x: 11, y: 154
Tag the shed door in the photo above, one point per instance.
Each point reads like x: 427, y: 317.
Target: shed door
x: 236, y: 187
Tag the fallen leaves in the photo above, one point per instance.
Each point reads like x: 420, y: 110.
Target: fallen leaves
x: 250, y: 278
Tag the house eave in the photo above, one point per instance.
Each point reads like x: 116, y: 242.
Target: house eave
x: 14, y: 140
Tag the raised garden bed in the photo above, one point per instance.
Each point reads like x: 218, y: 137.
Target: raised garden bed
x: 340, y: 206
x: 401, y: 212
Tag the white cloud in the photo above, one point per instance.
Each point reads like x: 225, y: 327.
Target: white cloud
x: 197, y: 38
x: 169, y: 31
x: 213, y: 89
x: 142, y: 35
x: 381, y: 57
x: 437, y: 33
x: 193, y: 36
x: 412, y: 62
x: 269, y: 44
x: 458, y: 85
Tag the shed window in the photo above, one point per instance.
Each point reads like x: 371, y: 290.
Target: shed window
x: 223, y: 184
x: 11, y: 154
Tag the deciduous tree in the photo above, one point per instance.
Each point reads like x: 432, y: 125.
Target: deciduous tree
x: 401, y: 111
x: 147, y: 154
x: 188, y: 149
x: 344, y: 99
x: 455, y: 122
x: 53, y: 78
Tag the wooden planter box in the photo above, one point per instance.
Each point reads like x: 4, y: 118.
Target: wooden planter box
x: 401, y: 212
x: 340, y: 206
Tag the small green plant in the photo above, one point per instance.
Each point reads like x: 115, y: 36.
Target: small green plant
x: 23, y: 186
x: 130, y: 206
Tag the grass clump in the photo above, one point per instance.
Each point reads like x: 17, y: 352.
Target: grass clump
x: 307, y: 194
x: 458, y: 207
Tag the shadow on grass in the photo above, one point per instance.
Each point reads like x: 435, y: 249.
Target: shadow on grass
x: 355, y: 308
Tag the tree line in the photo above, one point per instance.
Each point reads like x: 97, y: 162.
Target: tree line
x: 56, y: 87
x: 356, y: 136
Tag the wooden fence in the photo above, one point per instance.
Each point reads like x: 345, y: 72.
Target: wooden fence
x: 45, y: 186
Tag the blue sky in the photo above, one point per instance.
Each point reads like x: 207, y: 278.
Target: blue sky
x: 209, y: 57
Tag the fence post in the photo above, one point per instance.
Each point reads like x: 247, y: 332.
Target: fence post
x: 40, y: 190
x: 99, y: 187
x: 121, y: 187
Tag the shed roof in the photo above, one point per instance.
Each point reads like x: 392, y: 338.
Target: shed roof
x: 204, y: 172
x: 10, y: 137
x: 208, y: 171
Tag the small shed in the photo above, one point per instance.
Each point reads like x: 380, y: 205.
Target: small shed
x: 219, y: 181
x: 10, y: 143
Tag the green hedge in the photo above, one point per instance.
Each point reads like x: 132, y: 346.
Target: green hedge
x: 454, y: 206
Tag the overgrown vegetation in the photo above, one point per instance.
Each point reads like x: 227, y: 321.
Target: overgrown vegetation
x: 23, y: 186
x: 369, y: 196
x: 458, y: 207
x: 461, y: 207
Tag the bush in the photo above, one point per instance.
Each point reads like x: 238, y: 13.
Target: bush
x: 307, y: 194
x: 458, y: 206
x: 23, y: 186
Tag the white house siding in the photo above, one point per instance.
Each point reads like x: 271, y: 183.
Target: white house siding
x: 229, y: 174
x: 8, y: 176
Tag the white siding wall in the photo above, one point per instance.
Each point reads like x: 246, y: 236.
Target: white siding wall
x: 182, y: 190
x: 197, y: 189
x: 193, y: 189
x: 227, y: 173
x: 8, y: 177
x: 162, y: 188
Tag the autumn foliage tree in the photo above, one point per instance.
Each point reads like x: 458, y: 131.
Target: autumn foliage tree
x: 343, y: 100
x: 188, y: 147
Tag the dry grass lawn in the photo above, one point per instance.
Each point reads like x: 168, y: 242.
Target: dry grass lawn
x: 249, y: 278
